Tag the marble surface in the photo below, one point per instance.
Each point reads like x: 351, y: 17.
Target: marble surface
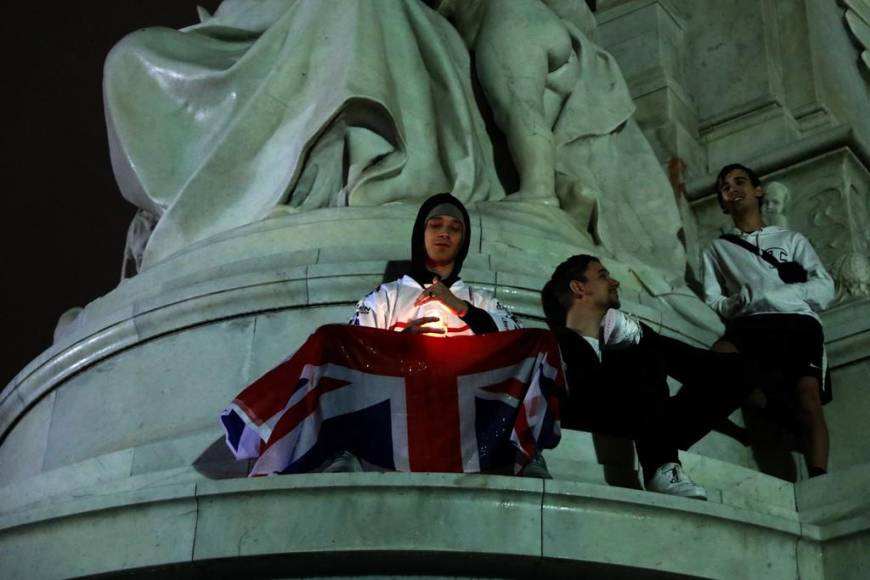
x: 502, y: 524
x: 182, y: 336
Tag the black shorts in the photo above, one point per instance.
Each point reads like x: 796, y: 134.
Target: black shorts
x: 789, y: 346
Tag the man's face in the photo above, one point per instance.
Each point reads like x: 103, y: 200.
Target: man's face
x: 738, y: 193
x: 443, y: 239
x: 599, y: 289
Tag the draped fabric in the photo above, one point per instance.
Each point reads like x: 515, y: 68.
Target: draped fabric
x: 308, y: 103
x: 402, y: 402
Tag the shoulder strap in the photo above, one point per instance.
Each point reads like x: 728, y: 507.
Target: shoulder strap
x: 749, y: 246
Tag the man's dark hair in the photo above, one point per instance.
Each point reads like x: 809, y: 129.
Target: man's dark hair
x: 556, y: 294
x: 753, y: 178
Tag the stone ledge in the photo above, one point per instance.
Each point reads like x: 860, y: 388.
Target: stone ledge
x: 200, y: 456
x: 471, y: 521
x: 178, y: 310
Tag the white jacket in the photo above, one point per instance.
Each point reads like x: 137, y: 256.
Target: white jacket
x: 738, y: 283
x: 391, y: 306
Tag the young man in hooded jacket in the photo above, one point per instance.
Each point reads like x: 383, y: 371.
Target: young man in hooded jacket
x: 432, y: 299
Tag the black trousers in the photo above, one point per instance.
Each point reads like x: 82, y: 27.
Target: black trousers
x: 628, y: 395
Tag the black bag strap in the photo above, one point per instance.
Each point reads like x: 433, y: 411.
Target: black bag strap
x: 749, y: 246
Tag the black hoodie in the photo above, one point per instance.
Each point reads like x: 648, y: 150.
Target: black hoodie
x: 419, y: 271
x: 477, y: 319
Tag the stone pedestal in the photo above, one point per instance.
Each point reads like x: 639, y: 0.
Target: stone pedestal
x: 113, y: 458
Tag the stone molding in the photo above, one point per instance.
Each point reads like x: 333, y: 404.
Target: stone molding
x: 326, y: 525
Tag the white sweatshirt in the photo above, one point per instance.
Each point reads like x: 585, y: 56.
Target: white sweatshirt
x: 738, y: 283
x: 391, y: 306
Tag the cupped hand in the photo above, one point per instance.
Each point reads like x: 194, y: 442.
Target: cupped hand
x: 418, y: 326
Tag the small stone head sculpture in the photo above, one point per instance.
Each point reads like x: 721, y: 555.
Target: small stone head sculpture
x: 776, y: 200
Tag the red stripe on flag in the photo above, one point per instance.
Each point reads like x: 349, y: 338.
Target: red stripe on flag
x: 432, y: 405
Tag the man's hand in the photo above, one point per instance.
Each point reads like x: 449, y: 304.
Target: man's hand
x: 742, y: 298
x: 441, y: 293
x: 417, y: 326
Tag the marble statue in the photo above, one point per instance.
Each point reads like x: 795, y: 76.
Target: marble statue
x: 276, y: 106
x: 299, y: 103
x: 526, y: 83
x: 66, y: 323
x: 566, y: 111
x: 138, y: 234
x: 776, y: 198
x: 852, y: 273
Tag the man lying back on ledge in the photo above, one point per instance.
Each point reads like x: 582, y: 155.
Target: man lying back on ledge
x: 617, y: 371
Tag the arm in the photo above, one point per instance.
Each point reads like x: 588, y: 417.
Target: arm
x: 372, y: 310
x: 725, y: 306
x: 478, y: 320
x: 489, y: 313
x: 482, y: 312
x: 818, y: 290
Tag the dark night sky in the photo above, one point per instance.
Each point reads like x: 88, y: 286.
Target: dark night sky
x: 64, y: 235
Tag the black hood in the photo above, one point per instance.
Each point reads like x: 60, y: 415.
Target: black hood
x: 419, y: 272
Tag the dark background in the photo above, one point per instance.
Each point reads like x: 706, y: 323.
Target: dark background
x: 64, y: 232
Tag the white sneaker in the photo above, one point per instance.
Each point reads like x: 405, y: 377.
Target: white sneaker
x: 537, y: 467
x: 672, y: 480
x: 344, y: 462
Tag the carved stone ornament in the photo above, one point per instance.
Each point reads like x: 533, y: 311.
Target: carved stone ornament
x: 857, y: 17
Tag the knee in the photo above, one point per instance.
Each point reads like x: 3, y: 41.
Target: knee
x: 724, y: 346
x: 809, y: 403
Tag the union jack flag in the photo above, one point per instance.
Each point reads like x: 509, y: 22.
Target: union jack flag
x: 402, y: 402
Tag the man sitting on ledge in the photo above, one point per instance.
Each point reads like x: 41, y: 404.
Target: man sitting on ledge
x: 432, y: 299
x: 617, y: 369
x: 390, y: 399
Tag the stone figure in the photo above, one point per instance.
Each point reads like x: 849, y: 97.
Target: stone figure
x: 776, y: 199
x: 303, y: 103
x: 278, y: 106
x: 66, y: 323
x: 526, y: 83
x: 857, y: 15
x: 852, y: 272
x: 566, y: 113
x: 138, y: 233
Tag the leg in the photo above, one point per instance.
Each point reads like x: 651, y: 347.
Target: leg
x: 714, y: 385
x: 724, y: 346
x: 756, y: 399
x: 814, y: 429
x: 517, y: 101
x: 514, y: 75
x: 641, y: 403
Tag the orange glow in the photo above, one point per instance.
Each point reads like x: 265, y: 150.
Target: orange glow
x: 437, y: 310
